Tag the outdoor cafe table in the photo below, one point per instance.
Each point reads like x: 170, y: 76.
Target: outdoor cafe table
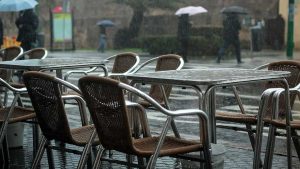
x: 211, y: 78
x: 56, y: 64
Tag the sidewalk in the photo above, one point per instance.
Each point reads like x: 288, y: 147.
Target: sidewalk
x: 238, y: 150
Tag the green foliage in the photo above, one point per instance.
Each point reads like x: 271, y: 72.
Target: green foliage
x: 160, y: 44
x: 198, y: 45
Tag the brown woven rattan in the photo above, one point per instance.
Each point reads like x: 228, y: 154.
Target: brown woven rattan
x: 18, y: 115
x: 13, y: 114
x: 45, y: 95
x: 106, y: 102
x: 36, y: 53
x: 250, y: 119
x: 278, y: 119
x: 164, y: 62
x: 123, y: 62
x: 11, y: 53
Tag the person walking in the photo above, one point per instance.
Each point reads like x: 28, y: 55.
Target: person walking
x: 102, y: 40
x: 183, y: 35
x: 231, y: 28
x: 27, y: 23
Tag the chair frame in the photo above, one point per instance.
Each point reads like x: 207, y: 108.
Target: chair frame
x: 86, y: 72
x: 288, y: 125
x: 20, y: 118
x: 165, y: 89
x: 9, y: 73
x: 45, y: 143
x: 255, y: 120
x: 32, y: 51
x: 203, y: 121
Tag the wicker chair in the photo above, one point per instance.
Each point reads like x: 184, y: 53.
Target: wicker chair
x: 36, y: 53
x: 160, y: 93
x: 124, y: 63
x: 106, y: 102
x: 163, y: 62
x: 13, y: 114
x: 251, y: 119
x: 277, y: 114
x: 8, y: 54
x: 45, y: 95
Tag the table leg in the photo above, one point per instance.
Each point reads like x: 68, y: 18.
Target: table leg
x: 209, y: 106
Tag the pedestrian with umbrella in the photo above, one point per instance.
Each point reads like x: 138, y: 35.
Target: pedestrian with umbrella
x: 231, y: 28
x: 103, y: 38
x: 184, y: 26
x: 27, y: 22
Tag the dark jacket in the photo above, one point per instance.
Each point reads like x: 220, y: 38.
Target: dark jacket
x: 231, y: 27
x: 27, y: 24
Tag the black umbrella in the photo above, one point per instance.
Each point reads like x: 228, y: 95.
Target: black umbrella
x: 234, y: 9
x: 106, y: 23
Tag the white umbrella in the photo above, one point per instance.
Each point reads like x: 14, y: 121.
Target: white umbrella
x: 16, y: 5
x: 190, y: 10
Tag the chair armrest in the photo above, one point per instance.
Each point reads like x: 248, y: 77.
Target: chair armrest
x: 262, y: 66
x: 67, y: 84
x: 81, y: 106
x: 84, y: 72
x: 8, y: 86
x: 144, y: 64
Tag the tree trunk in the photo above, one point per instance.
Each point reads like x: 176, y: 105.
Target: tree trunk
x: 136, y: 23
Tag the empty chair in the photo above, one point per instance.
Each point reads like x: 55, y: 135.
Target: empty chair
x: 13, y: 114
x: 251, y: 119
x: 8, y: 54
x: 106, y: 103
x: 163, y: 63
x: 278, y: 117
x: 35, y: 53
x: 48, y: 103
x: 123, y: 63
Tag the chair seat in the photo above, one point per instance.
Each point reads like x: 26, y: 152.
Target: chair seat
x: 236, y: 117
x: 19, y: 114
x: 81, y: 135
x: 172, y: 146
x: 281, y: 123
x: 17, y: 85
x: 148, y: 105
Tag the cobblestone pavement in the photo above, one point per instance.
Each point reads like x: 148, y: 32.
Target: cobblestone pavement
x: 238, y: 154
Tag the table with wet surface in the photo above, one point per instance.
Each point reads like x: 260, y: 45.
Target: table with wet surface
x: 53, y: 64
x: 211, y: 78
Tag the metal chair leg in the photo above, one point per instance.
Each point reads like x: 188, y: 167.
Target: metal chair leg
x: 97, y: 161
x: 207, y: 157
x: 86, y: 151
x: 39, y: 153
x: 270, y: 148
x: 50, y: 156
x: 296, y: 142
x: 5, y: 152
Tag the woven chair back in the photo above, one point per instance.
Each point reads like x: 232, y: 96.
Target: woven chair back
x: 37, y: 53
x: 164, y: 62
x: 9, y: 54
x: 293, y: 80
x: 123, y: 62
x: 46, y: 100
x: 106, y: 103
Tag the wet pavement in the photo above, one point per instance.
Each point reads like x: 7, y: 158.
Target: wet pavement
x: 238, y: 152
